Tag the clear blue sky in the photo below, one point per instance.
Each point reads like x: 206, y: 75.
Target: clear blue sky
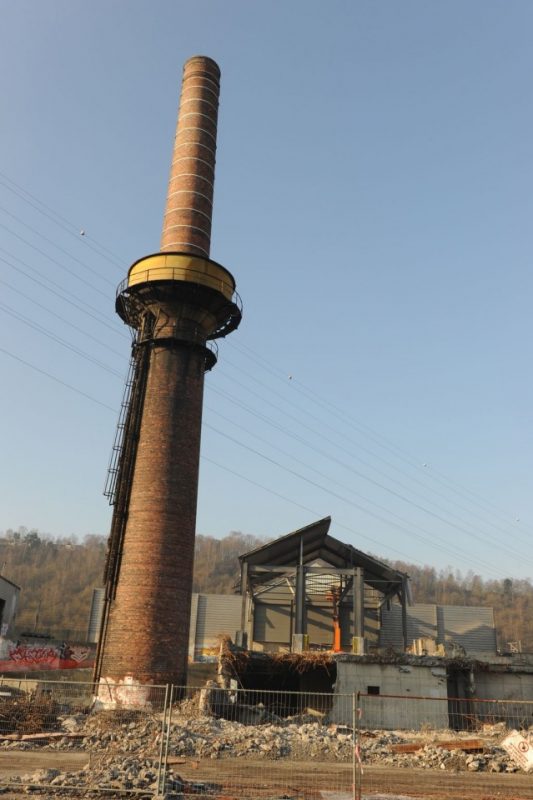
x: 373, y: 199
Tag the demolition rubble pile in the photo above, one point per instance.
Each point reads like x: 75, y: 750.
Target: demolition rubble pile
x: 124, y: 747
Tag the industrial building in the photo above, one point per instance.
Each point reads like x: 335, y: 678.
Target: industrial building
x: 9, y: 593
x: 313, y: 614
x: 308, y: 591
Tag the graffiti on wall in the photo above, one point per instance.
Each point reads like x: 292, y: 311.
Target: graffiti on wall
x: 27, y: 657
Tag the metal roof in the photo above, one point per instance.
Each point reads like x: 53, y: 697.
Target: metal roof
x: 315, y: 543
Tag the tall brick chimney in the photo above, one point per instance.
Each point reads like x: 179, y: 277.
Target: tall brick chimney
x: 176, y: 301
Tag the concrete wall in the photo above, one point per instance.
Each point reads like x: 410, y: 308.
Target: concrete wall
x: 417, y: 695
x: 504, y: 686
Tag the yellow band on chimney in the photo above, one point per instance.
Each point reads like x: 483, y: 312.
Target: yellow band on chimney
x: 182, y: 267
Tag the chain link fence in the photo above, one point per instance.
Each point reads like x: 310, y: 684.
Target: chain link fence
x: 66, y: 739
x: 262, y: 744
x: 445, y: 747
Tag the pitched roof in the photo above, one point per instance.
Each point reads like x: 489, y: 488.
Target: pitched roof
x: 314, y: 542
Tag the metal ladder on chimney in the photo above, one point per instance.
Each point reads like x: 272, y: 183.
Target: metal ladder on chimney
x: 120, y: 473
x: 110, y: 488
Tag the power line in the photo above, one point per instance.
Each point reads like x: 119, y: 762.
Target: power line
x: 455, y: 552
x: 45, y: 332
x: 252, y: 482
x: 62, y: 294
x: 84, y: 394
x: 307, y: 392
x: 54, y: 261
x: 82, y: 354
x: 55, y: 379
x: 336, y: 494
x: 59, y: 220
x: 379, y: 439
x: 370, y: 480
x: 62, y: 319
x: 68, y: 226
x: 358, y: 446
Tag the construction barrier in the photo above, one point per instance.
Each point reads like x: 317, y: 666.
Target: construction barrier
x: 75, y: 739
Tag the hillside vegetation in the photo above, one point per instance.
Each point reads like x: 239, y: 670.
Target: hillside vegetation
x: 57, y: 578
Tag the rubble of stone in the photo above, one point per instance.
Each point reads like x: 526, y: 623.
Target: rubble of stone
x: 193, y: 735
x: 111, y: 774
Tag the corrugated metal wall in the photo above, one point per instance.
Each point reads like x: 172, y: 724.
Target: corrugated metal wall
x: 421, y: 622
x: 95, y: 616
x: 470, y: 626
x: 216, y: 615
x: 8, y: 596
x: 272, y: 624
x: 213, y: 615
x: 371, y: 626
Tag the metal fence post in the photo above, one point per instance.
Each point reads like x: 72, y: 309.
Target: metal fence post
x: 161, y: 772
x: 356, y: 754
x: 167, y: 740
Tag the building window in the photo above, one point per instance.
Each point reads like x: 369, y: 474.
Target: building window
x: 372, y: 689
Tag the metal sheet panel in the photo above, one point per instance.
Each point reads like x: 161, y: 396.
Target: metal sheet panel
x: 213, y: 616
x: 95, y: 616
x: 272, y: 623
x: 421, y: 622
x: 372, y: 626
x: 470, y: 626
x: 319, y: 625
x: 216, y: 615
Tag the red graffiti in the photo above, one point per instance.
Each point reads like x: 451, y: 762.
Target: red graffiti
x: 33, y: 654
x: 32, y: 657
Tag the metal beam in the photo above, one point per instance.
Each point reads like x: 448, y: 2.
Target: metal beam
x: 403, y: 598
x: 359, y: 602
x: 244, y: 593
x: 300, y: 616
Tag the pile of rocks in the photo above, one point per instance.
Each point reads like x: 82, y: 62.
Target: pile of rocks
x: 431, y: 756
x: 109, y: 774
x: 301, y: 738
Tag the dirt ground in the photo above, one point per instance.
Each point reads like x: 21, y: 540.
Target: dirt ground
x: 287, y: 779
x: 278, y: 778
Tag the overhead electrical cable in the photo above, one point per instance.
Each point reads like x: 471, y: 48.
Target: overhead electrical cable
x: 42, y: 330
x: 304, y: 507
x: 56, y: 379
x: 60, y: 221
x: 61, y: 318
x: 455, y: 552
x: 379, y: 439
x: 338, y: 496
x: 38, y: 205
x: 305, y: 391
x: 63, y: 294
x: 54, y: 261
x: 44, y: 238
x: 355, y: 455
x: 370, y: 480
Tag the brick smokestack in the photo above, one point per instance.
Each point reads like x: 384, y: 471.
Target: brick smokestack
x: 189, y: 209
x: 176, y: 301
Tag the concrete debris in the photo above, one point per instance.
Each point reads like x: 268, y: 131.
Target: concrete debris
x: 111, y: 774
x: 123, y: 751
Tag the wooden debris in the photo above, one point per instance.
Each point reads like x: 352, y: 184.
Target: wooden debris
x: 468, y: 745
